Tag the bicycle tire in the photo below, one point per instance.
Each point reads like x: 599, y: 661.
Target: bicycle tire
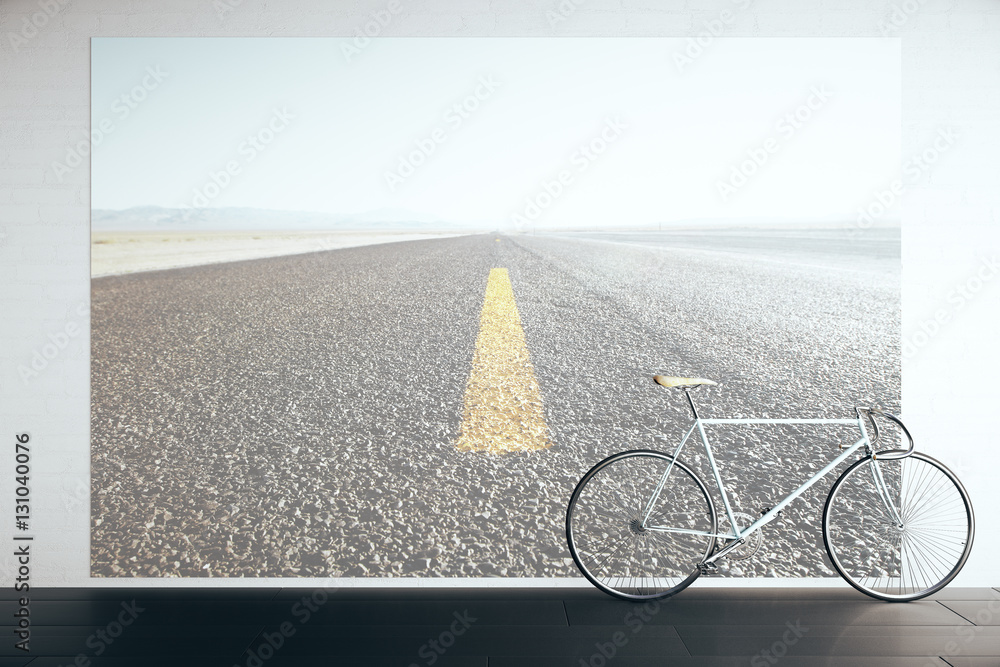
x: 606, y: 537
x: 891, y: 561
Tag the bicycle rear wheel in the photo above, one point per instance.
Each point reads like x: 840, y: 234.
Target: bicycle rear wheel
x: 905, y: 560
x: 620, y: 553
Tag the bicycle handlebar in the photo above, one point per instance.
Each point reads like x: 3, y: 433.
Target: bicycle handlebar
x: 889, y: 454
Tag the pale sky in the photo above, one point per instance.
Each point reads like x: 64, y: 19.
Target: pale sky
x: 330, y: 133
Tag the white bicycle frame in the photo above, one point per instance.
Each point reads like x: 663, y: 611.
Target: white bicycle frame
x: 739, y: 534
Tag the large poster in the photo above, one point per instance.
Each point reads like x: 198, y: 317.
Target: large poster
x: 371, y: 307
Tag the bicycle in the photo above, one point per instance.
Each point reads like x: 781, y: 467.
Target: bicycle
x: 897, y: 524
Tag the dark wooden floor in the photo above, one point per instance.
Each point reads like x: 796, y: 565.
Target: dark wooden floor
x: 499, y: 628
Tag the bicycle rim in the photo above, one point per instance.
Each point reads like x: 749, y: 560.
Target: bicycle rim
x: 616, y: 550
x: 894, y: 561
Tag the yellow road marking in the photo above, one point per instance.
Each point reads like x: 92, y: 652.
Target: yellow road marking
x: 503, y: 404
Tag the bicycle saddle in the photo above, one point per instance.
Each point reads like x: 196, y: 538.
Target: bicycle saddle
x: 668, y: 381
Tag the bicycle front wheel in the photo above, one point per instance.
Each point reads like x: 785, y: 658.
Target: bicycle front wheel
x: 628, y: 552
x: 905, y: 559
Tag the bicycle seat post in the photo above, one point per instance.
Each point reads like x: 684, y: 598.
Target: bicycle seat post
x: 687, y: 392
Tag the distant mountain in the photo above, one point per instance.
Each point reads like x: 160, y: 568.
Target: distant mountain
x: 157, y: 218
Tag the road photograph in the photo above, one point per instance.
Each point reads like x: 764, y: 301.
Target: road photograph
x: 374, y: 314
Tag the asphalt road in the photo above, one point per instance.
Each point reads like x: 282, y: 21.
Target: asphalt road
x: 297, y: 416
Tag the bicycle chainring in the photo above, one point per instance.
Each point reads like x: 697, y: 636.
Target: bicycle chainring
x: 753, y: 541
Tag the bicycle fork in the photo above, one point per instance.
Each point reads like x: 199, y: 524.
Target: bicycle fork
x: 890, y: 455
x: 883, y: 492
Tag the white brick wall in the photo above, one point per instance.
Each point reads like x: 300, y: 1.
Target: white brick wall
x: 951, y: 56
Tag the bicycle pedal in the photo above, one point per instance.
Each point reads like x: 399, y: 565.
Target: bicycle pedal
x: 708, y: 568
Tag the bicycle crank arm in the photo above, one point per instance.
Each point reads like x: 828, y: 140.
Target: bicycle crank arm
x: 735, y: 544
